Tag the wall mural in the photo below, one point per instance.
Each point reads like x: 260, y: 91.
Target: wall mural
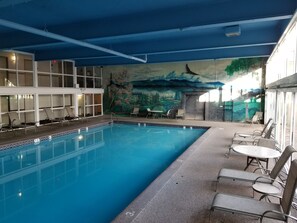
x: 227, y: 90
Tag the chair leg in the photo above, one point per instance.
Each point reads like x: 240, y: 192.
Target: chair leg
x: 227, y: 154
x: 209, y: 216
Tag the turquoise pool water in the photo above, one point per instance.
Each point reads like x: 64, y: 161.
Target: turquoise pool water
x: 87, y: 176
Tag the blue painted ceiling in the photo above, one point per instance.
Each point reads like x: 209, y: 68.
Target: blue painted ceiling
x: 160, y: 31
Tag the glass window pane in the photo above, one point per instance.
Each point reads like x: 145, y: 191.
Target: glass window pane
x: 81, y: 82
x: 12, y: 79
x: 97, y: 99
x: 57, y: 100
x: 44, y: 80
x: 97, y: 83
x: 294, y: 155
x: 97, y: 110
x: 80, y: 71
x: 29, y: 102
x: 279, y: 119
x: 288, y: 118
x: 12, y: 60
x: 3, y: 78
x: 68, y: 81
x: 28, y: 64
x: 25, y: 62
x: 3, y: 62
x: 43, y: 66
x: 89, y: 71
x: 88, y: 99
x: 25, y: 79
x: 90, y: 83
x: 97, y: 72
x: 68, y: 67
x: 89, y: 111
x: 13, y: 103
x: 68, y: 99
x: 27, y: 117
x: 57, y: 81
x: 4, y: 103
x: 44, y: 101
x: 56, y: 66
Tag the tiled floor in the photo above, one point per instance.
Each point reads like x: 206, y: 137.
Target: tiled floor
x: 184, y: 192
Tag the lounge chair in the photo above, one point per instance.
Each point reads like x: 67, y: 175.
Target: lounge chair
x: 241, y: 175
x: 168, y: 114
x: 237, y: 140
x: 15, y: 122
x: 51, y: 116
x: 149, y: 112
x: 248, y: 140
x: 71, y: 115
x: 255, y: 119
x: 260, y: 209
x: 256, y: 132
x: 180, y: 113
x: 135, y: 112
x: 260, y: 116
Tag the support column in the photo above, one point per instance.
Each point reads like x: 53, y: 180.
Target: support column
x: 36, y: 109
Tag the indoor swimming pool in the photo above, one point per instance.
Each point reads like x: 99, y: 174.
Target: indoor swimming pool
x: 89, y: 175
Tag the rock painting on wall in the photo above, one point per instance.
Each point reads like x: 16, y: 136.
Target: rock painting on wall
x: 228, y: 86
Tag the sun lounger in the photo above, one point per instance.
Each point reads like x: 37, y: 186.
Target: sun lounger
x: 15, y: 122
x: 51, y: 117
x: 260, y: 209
x: 135, y: 112
x: 241, y: 175
x: 255, y: 132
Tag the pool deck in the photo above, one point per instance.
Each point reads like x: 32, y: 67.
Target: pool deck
x: 184, y: 192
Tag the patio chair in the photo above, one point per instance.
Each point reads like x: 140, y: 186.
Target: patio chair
x: 135, y: 112
x: 149, y: 112
x: 71, y: 115
x: 180, y: 113
x: 241, y: 175
x: 248, y: 140
x: 237, y: 140
x: 51, y: 116
x: 260, y: 209
x: 260, y: 116
x: 256, y: 132
x: 254, y: 120
x: 15, y: 122
x: 168, y: 114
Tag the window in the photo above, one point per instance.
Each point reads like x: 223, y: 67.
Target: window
x: 55, y: 74
x: 288, y: 116
x: 89, y: 77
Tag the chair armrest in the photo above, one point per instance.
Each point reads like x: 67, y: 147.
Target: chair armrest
x: 269, y: 178
x: 277, y: 212
x: 257, y: 132
x: 263, y: 177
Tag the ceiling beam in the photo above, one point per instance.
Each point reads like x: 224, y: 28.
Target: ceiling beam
x: 262, y: 51
x: 200, y: 42
x: 58, y: 37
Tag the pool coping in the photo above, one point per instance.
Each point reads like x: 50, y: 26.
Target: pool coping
x: 130, y: 213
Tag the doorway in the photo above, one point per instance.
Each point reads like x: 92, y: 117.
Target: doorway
x: 194, y: 108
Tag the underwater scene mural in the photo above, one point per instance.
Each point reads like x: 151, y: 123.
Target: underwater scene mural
x: 226, y: 90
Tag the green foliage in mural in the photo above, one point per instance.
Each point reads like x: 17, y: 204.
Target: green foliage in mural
x: 243, y: 64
